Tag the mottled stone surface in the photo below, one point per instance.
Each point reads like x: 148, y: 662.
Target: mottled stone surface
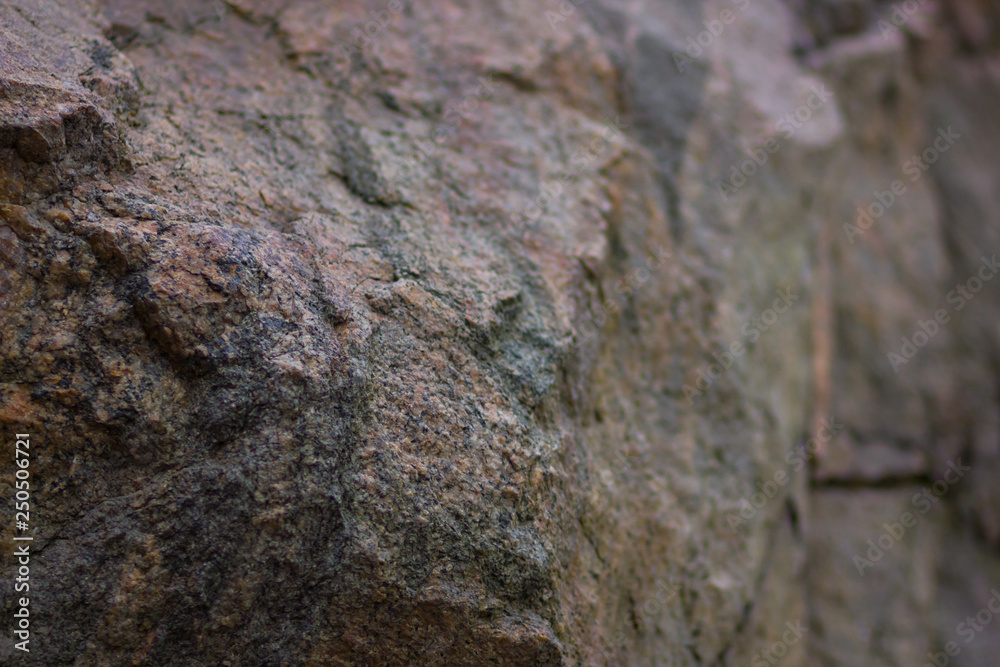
x: 403, y: 350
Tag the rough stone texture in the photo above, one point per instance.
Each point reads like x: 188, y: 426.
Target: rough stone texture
x: 316, y: 375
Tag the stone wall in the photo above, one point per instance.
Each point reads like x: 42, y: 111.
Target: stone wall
x: 456, y: 333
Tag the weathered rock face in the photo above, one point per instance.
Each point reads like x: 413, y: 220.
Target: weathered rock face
x: 501, y: 334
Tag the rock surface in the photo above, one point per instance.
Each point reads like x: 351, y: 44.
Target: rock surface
x: 465, y: 341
